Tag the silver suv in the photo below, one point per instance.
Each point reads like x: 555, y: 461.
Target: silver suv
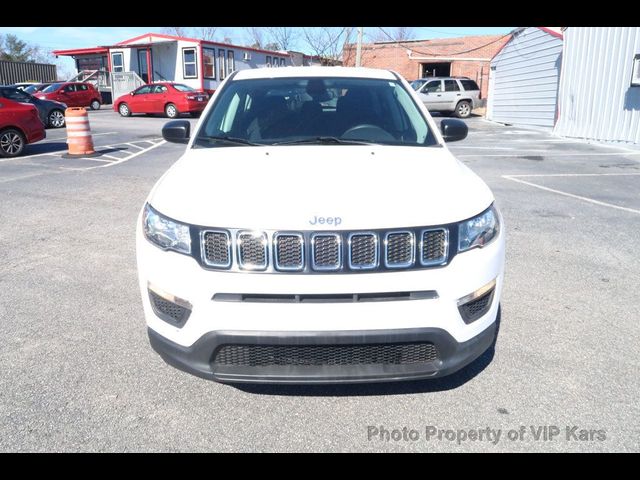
x: 457, y: 95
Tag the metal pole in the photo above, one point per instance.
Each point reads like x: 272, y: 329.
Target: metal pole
x: 359, y: 48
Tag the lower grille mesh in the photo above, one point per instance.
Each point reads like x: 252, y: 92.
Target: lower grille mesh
x: 315, y: 355
x: 475, y: 309
x: 168, y: 310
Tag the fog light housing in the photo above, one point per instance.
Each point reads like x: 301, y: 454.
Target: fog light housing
x: 168, y: 307
x: 476, y: 304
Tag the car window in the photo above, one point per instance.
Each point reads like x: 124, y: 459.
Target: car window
x: 32, y: 89
x: 469, y: 85
x: 15, y: 94
x: 416, y: 84
x: 281, y: 110
x: 451, y: 86
x: 70, y: 88
x: 81, y: 87
x: 143, y: 90
x: 183, y: 88
x: 52, y: 88
x: 434, y: 86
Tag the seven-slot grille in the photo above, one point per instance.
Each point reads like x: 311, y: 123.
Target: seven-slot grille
x: 291, y: 252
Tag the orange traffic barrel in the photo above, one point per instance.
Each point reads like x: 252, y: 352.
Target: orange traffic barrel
x: 78, y: 132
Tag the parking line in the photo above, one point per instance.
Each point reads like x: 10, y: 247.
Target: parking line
x: 49, y: 140
x: 571, y: 195
x: 551, y: 154
x: 573, y: 175
x: 122, y: 160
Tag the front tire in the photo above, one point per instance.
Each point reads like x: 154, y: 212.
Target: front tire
x: 95, y: 105
x: 12, y: 143
x: 463, y: 109
x: 56, y: 119
x: 171, y: 111
x: 123, y: 110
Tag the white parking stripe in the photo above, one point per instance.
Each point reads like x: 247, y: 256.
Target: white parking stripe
x: 571, y: 195
x: 121, y: 160
x: 572, y: 175
x: 551, y: 154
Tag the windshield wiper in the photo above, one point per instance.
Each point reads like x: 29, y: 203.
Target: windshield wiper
x: 226, y: 139
x: 325, y: 141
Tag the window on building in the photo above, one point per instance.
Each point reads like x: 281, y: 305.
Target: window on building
x: 221, y: 65
x: 635, y: 77
x: 268, y: 60
x: 189, y: 63
x: 209, y: 63
x: 283, y: 62
x: 231, y: 61
x: 117, y: 62
x: 451, y: 86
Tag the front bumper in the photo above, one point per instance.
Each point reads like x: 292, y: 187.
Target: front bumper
x: 198, y: 358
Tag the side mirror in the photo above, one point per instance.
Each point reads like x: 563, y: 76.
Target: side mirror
x: 453, y: 130
x: 131, y: 93
x: 177, y: 131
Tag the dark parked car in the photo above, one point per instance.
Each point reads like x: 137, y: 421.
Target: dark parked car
x: 19, y: 125
x: 51, y: 112
x: 36, y: 87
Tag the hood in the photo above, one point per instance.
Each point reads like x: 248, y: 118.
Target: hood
x: 291, y: 187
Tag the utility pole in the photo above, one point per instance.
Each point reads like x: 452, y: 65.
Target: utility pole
x: 359, y: 48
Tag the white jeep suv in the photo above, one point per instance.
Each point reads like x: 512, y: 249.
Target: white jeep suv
x: 317, y: 229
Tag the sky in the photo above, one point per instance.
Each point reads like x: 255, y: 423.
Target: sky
x: 52, y: 38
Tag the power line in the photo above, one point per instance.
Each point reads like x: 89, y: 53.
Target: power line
x: 413, y: 50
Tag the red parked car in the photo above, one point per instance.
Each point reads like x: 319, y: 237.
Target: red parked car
x: 169, y: 98
x: 73, y: 94
x: 19, y: 124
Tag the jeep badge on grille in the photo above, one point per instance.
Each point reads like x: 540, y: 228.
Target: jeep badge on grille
x: 316, y: 220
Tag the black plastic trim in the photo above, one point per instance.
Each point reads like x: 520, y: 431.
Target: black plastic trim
x: 326, y: 297
x: 197, y: 358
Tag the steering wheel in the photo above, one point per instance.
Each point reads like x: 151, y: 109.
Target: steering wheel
x: 367, y: 131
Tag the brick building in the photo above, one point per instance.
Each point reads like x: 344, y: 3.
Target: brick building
x: 465, y: 56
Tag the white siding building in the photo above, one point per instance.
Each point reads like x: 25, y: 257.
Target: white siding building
x: 599, y: 97
x: 524, y: 77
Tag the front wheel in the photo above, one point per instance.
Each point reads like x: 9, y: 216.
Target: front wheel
x: 171, y: 110
x: 123, y: 110
x: 95, y: 105
x: 56, y: 119
x: 11, y: 143
x: 463, y: 109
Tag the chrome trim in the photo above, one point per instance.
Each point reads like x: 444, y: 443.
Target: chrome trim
x: 203, y: 254
x: 338, y: 266
x: 477, y: 294
x: 442, y: 259
x: 274, y: 244
x: 413, y: 249
x: 377, y: 257
x: 265, y: 243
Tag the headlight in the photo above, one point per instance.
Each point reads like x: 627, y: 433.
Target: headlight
x: 165, y: 233
x: 478, y: 231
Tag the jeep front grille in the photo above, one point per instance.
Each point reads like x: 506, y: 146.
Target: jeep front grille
x: 326, y: 252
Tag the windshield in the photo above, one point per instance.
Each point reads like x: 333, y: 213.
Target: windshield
x: 32, y: 89
x: 416, y: 84
x: 183, y: 88
x: 52, y: 88
x: 327, y: 111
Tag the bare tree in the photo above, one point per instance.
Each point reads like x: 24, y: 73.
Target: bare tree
x: 284, y: 37
x: 177, y: 31
x: 255, y: 36
x: 328, y: 42
x: 206, y: 33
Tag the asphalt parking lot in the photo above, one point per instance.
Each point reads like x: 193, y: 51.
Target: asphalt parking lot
x: 79, y: 374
